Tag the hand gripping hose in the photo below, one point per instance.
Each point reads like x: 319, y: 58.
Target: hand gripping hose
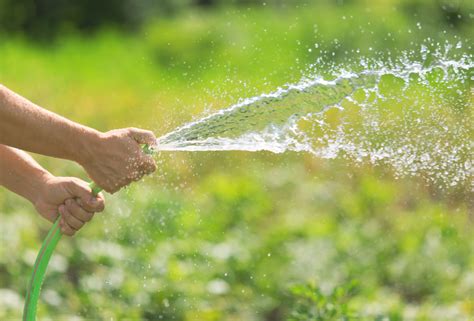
x: 44, y: 255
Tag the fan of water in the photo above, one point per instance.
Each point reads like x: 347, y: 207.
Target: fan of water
x: 413, y: 114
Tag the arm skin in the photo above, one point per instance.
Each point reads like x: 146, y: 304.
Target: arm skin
x: 112, y: 159
x: 50, y: 195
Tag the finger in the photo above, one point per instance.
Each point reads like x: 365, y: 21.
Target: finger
x: 121, y: 182
x: 65, y: 228
x: 95, y: 205
x: 136, y: 176
x: 80, y: 189
x: 142, y: 136
x: 146, y: 165
x: 140, y: 171
x: 112, y: 189
x: 72, y: 221
x: 149, y: 165
x: 77, y: 211
x: 109, y: 186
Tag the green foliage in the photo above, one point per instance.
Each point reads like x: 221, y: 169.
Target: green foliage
x: 46, y: 19
x: 313, y: 304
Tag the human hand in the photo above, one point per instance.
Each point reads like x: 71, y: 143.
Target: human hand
x: 115, y: 158
x: 70, y: 197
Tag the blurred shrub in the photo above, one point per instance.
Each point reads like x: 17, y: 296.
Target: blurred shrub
x: 45, y: 19
x: 312, y: 303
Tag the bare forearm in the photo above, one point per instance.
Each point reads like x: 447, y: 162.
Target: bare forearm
x: 20, y: 173
x: 51, y: 196
x: 112, y: 159
x: 29, y: 127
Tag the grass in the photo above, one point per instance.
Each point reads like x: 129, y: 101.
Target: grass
x: 234, y: 235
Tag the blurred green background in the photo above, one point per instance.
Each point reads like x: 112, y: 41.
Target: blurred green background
x: 230, y: 235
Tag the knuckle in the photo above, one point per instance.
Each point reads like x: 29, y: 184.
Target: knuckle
x: 72, y: 210
x: 85, y: 207
x: 69, y: 221
x: 149, y: 166
x: 65, y: 214
x: 68, y: 231
x: 150, y: 134
x: 130, y: 131
x: 77, y: 223
x: 80, y: 203
x: 73, y: 206
x: 100, y: 207
x: 149, y: 170
x: 76, y: 182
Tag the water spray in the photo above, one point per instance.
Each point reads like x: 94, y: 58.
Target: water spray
x: 44, y: 255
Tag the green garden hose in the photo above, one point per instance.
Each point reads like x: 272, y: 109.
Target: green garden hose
x: 44, y: 255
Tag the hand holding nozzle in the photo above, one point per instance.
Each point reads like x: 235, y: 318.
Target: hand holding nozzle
x: 146, y: 149
x: 115, y: 158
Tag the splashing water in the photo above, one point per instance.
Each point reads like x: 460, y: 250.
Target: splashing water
x: 413, y: 114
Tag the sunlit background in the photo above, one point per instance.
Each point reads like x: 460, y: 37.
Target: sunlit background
x: 232, y: 235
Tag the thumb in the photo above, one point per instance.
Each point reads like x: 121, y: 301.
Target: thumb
x: 142, y: 136
x: 79, y: 189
